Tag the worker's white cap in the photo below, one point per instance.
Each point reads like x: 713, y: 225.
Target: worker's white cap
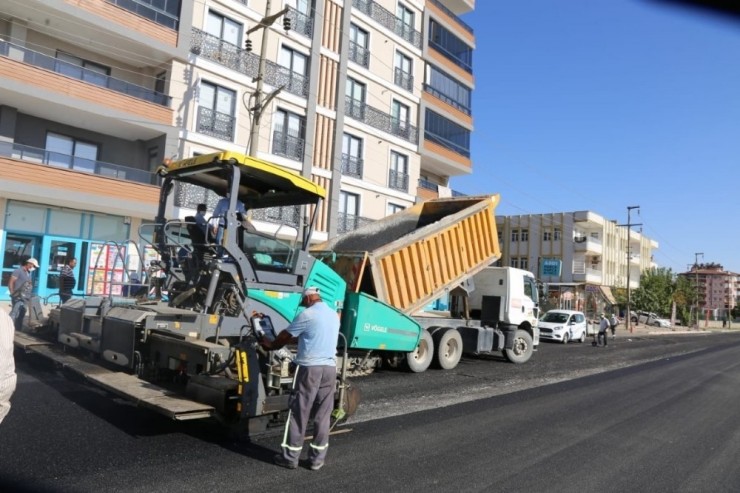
x: 310, y: 290
x: 33, y: 262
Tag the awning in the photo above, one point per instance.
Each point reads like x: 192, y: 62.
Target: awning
x: 607, y: 292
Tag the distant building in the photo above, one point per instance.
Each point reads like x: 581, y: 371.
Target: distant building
x: 593, y: 252
x: 717, y: 288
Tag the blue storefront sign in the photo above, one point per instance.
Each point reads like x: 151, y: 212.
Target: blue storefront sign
x: 550, y: 267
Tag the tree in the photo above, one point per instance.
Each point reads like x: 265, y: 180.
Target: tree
x: 659, y: 290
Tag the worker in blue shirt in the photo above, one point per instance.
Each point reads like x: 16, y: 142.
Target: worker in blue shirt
x: 316, y: 330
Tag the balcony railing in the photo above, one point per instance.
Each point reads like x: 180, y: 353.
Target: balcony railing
x: 215, y: 124
x: 148, y: 11
x: 428, y: 185
x: 231, y: 56
x: 451, y: 56
x: 403, y: 79
x: 359, y: 54
x: 434, y: 92
x: 290, y: 146
x: 452, y: 15
x: 350, y: 222
x: 361, y: 111
x: 352, y: 166
x: 59, y: 160
x: 398, y: 180
x: 428, y: 135
x: 387, y: 19
x: 76, y: 72
x: 300, y: 22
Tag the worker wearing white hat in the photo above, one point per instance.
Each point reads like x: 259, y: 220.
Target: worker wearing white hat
x: 20, y: 286
x: 316, y: 330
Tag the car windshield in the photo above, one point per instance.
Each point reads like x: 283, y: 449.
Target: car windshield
x: 555, y: 317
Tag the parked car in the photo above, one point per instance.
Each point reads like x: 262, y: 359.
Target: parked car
x: 563, y: 326
x: 649, y: 318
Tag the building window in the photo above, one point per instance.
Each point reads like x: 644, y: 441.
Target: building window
x: 524, y: 263
x: 446, y: 133
x: 288, y: 135
x: 556, y: 235
x: 160, y: 82
x: 450, y: 46
x: 398, y: 178
x: 81, y: 69
x: 449, y: 90
x: 216, y: 107
x: 224, y: 28
x: 405, y: 22
x: 400, y: 114
x: 358, y: 46
x: 547, y: 236
x: 525, y: 235
x: 515, y: 262
x: 294, y: 69
x: 393, y: 208
x: 351, y: 156
x: 514, y: 235
x: 348, y: 214
x: 355, y: 94
x: 402, y: 72
x: 70, y: 153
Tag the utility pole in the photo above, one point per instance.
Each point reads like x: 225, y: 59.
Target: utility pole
x: 696, y: 285
x: 258, y: 105
x: 629, y: 290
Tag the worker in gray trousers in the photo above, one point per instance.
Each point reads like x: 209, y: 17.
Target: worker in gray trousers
x: 316, y: 330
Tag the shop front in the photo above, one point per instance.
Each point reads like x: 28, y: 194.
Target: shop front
x: 590, y: 299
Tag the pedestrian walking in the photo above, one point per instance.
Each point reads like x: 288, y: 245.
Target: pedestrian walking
x: 603, y: 326
x: 67, y: 281
x: 316, y: 330
x: 613, y: 322
x: 20, y: 286
x: 7, y: 363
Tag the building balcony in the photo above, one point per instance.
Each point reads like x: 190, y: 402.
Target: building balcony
x: 350, y: 222
x: 590, y: 219
x: 289, y: 215
x: 65, y: 161
x: 352, y: 166
x: 439, y: 48
x: 46, y: 62
x: 362, y: 112
x: 403, y: 79
x: 458, y: 7
x: 635, y: 259
x: 359, y: 54
x: 286, y: 145
x: 300, y: 22
x: 582, y: 273
x: 451, y: 15
x: 582, y: 243
x: 447, y: 144
x: 427, y: 190
x: 398, y: 181
x: 231, y: 56
x: 215, y: 124
x: 149, y: 11
x: 447, y: 100
x: 387, y: 19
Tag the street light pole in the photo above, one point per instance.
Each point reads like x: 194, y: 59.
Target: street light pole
x: 258, y: 105
x: 696, y: 285
x: 629, y: 290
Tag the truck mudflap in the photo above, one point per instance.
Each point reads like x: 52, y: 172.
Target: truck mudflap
x: 130, y: 387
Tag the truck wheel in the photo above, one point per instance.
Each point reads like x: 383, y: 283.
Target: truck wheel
x: 448, y: 345
x: 522, y: 348
x: 420, y: 358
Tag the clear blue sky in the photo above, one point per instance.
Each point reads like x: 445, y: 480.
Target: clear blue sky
x: 603, y: 104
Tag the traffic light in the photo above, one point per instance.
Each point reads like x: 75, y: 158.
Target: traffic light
x: 286, y: 23
x: 248, y: 45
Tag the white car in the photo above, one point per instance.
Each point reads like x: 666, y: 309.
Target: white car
x: 563, y: 326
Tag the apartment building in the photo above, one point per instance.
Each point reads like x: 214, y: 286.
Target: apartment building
x: 370, y: 99
x: 717, y: 289
x: 580, y: 255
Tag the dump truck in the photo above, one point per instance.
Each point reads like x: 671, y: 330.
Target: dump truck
x: 196, y: 353
x: 431, y: 250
